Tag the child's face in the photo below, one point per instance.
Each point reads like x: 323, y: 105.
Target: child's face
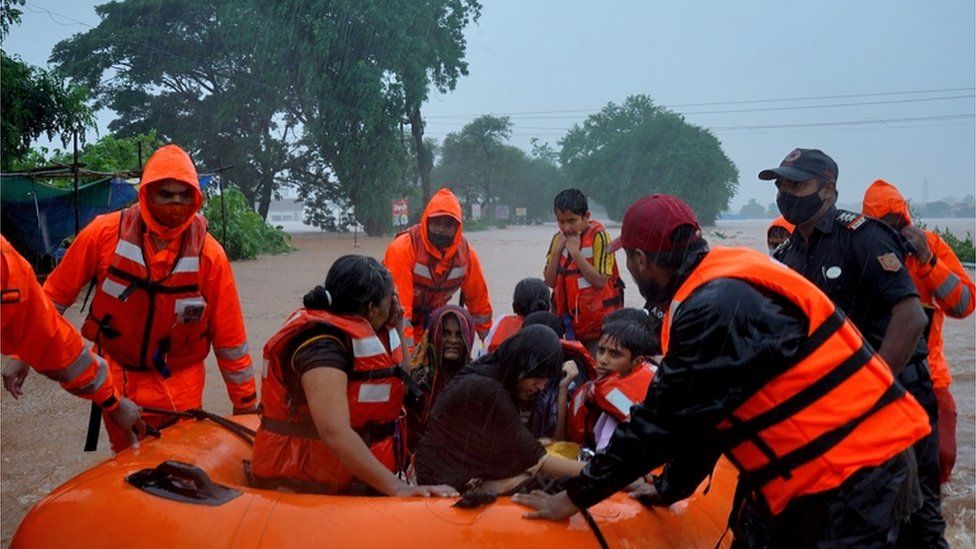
x: 611, y: 358
x: 571, y: 223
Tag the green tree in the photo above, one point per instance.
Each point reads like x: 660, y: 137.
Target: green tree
x: 435, y: 60
x: 34, y: 101
x: 637, y: 148
x: 753, y: 210
x: 358, y: 70
x: 111, y: 153
x: 190, y: 70
x: 472, y: 160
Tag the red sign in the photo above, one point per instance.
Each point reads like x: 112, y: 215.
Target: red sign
x: 400, y: 213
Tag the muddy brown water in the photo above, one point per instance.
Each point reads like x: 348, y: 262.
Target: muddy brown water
x: 42, y: 434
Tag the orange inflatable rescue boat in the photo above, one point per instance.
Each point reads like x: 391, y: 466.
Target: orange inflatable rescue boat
x: 188, y: 489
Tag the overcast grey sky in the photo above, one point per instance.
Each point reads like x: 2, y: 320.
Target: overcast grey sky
x: 574, y: 57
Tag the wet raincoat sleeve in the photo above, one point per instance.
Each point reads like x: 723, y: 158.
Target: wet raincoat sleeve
x: 81, y: 263
x: 728, y: 340
x: 399, y: 260
x: 226, y: 329
x: 477, y: 299
x: 34, y: 331
x: 946, y: 280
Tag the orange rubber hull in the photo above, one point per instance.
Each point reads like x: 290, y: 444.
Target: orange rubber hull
x: 99, y: 509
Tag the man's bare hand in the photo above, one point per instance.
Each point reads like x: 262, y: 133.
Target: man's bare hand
x: 557, y: 507
x: 916, y: 237
x: 14, y: 373
x: 128, y: 417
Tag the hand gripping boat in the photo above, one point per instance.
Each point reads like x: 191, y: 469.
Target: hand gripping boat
x: 194, y: 494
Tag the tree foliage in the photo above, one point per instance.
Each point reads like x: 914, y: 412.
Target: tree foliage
x: 473, y: 159
x: 189, y: 70
x: 358, y: 70
x: 111, y: 153
x: 637, y: 148
x: 34, y: 101
x: 753, y: 210
x: 247, y: 233
x: 482, y: 168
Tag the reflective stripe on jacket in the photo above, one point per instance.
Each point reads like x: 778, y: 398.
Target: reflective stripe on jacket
x: 146, y: 323
x: 576, y: 297
x: 836, y: 410
x: 613, y: 394
x: 287, y: 446
x: 944, y: 288
x: 34, y: 331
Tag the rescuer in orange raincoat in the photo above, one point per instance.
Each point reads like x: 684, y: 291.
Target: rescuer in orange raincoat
x: 34, y: 331
x: 943, y: 288
x: 431, y: 261
x: 164, y: 293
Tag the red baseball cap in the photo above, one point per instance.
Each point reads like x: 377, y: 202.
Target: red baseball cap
x: 650, y: 223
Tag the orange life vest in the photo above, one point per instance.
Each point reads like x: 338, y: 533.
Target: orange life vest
x: 613, y: 394
x: 287, y: 447
x: 151, y: 324
x: 504, y: 328
x: 576, y: 297
x: 430, y: 288
x: 836, y: 410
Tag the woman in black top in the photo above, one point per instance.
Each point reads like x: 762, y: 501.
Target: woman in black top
x: 474, y: 430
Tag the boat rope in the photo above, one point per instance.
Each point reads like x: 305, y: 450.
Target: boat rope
x: 245, y: 433
x: 595, y: 527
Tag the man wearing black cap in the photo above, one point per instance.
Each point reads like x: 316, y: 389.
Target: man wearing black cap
x: 858, y: 262
x: 761, y: 367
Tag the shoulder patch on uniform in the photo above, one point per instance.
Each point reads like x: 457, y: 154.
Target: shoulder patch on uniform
x: 851, y: 221
x: 889, y: 262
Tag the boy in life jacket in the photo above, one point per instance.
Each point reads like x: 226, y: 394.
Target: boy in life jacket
x: 779, y: 231
x: 624, y: 374
x: 580, y: 268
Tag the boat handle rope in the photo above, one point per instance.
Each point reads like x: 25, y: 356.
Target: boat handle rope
x: 244, y: 433
x: 595, y: 527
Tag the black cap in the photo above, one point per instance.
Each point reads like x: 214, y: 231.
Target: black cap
x: 803, y: 164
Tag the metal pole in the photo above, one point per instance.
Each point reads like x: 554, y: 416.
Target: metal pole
x: 139, y: 143
x: 74, y: 168
x: 223, y: 204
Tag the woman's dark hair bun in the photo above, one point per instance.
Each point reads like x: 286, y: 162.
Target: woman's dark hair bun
x: 317, y: 298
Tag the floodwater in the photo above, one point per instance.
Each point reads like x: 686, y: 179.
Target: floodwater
x: 42, y: 434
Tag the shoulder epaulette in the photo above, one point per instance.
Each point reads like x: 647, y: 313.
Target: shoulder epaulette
x: 850, y: 220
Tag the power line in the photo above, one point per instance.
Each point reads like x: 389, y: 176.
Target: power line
x: 715, y: 103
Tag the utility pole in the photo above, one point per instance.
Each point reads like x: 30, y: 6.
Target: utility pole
x: 74, y: 168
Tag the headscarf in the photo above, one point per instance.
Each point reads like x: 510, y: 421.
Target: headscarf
x: 435, y: 326
x: 426, y: 366
x: 531, y: 295
x: 533, y: 352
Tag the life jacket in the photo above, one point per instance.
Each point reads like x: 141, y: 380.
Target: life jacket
x: 151, y: 324
x: 613, y: 395
x: 287, y: 447
x: 576, y: 297
x: 835, y: 410
x: 504, y: 328
x: 430, y: 288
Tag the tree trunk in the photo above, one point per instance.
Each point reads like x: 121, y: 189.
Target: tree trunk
x: 264, y: 197
x: 425, y: 162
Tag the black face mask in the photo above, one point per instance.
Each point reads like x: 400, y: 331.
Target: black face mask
x: 440, y: 241
x: 798, y: 209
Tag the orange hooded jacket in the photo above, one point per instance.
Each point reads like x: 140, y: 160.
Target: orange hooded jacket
x: 34, y: 331
x: 401, y: 259
x: 92, y: 253
x: 943, y: 286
